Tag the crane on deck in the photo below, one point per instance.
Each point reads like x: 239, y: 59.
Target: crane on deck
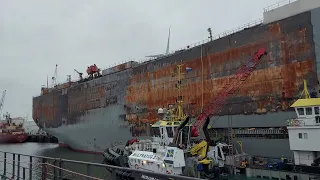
x: 229, y: 89
x: 2, y: 101
x: 80, y: 74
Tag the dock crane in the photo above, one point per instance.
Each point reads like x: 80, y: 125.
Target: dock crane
x: 229, y: 89
x: 80, y: 74
x: 2, y: 101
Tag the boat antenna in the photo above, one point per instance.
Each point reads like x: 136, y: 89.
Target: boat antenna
x: 47, y: 82
x: 168, y: 43
x: 210, y: 33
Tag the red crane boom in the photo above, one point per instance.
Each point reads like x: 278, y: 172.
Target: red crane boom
x: 230, y: 88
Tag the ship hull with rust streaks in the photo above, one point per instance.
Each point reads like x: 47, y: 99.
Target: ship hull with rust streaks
x: 90, y: 116
x: 12, y: 138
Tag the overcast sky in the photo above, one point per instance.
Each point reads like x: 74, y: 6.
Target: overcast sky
x: 36, y: 34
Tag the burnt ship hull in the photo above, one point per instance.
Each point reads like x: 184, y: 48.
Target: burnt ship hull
x: 123, y: 102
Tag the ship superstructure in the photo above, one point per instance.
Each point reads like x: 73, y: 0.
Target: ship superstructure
x: 304, y: 131
x: 125, y: 99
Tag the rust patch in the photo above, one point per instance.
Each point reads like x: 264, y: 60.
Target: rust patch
x: 280, y: 81
x: 275, y: 28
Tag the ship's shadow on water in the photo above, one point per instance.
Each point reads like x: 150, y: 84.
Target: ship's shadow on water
x: 73, y: 170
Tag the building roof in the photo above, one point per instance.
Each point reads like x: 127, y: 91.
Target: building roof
x: 306, y: 102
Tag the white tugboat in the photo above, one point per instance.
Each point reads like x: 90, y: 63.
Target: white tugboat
x: 305, y: 130
x: 168, y: 150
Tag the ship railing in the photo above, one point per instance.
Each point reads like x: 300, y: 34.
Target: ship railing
x: 295, y: 122
x: 215, y: 37
x: 277, y: 5
x: 259, y: 131
x: 22, y: 166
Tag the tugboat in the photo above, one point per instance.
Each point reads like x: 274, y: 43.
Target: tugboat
x: 12, y: 131
x: 304, y: 132
x: 171, y: 150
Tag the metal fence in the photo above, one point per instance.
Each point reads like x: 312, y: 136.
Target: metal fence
x: 21, y: 166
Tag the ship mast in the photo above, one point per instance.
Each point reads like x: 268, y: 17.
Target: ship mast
x: 180, y: 115
x: 305, y: 91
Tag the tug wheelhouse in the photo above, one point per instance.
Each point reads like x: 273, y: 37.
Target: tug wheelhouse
x: 304, y: 131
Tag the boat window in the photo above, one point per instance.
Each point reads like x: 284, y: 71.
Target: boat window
x: 316, y: 110
x: 169, y: 131
x: 300, y: 111
x: 305, y: 136
x: 317, y: 119
x: 300, y: 135
x: 156, y: 131
x: 309, y: 111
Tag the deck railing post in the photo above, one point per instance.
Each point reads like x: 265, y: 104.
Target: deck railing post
x: 13, y: 164
x: 30, y: 167
x: 54, y: 170
x: 5, y: 164
x: 88, y: 171
x: 44, y: 169
x: 24, y: 173
x: 60, y: 171
x: 18, y: 167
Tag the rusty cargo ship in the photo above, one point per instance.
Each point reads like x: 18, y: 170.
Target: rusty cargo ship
x: 122, y: 102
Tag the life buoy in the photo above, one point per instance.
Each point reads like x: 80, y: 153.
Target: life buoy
x: 169, y: 172
x: 137, y: 166
x: 296, y: 123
